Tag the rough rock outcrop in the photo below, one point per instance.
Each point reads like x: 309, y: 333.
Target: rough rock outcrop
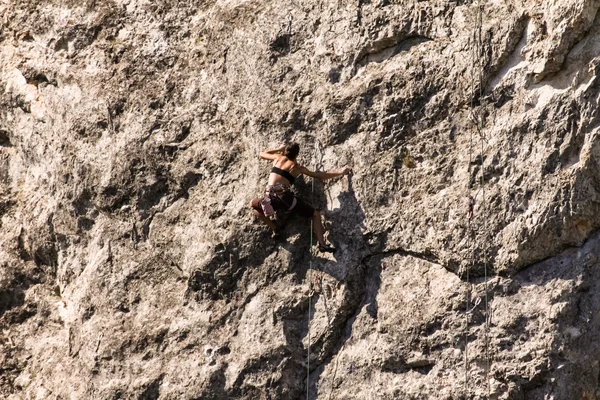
x: 132, y: 268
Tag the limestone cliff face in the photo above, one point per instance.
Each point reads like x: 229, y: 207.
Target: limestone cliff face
x: 131, y: 267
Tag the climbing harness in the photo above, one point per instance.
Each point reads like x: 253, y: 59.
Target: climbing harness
x: 277, y: 191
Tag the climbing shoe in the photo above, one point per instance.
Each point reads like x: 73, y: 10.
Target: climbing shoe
x: 326, y: 248
x: 276, y: 236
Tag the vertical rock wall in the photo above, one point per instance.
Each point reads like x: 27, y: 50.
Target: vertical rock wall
x: 131, y: 267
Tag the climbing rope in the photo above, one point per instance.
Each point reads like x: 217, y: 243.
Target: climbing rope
x: 485, y: 280
x: 476, y: 53
x: 471, y: 242
x: 309, y: 307
x: 310, y: 286
x: 486, y: 233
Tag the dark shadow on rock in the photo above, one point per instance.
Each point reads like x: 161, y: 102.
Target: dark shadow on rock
x: 340, y: 330
x: 363, y: 277
x: 348, y: 219
x: 343, y: 224
x: 215, y: 387
x: 573, y: 313
x: 336, y: 280
x: 354, y: 267
x: 152, y: 391
x: 13, y: 307
x: 11, y: 298
x: 346, y: 266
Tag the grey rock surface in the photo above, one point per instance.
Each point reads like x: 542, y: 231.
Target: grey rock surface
x: 131, y: 266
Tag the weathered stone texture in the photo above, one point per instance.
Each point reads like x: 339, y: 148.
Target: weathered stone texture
x: 131, y: 266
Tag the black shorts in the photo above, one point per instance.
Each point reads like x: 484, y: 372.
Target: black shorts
x: 303, y: 209
x: 284, y: 202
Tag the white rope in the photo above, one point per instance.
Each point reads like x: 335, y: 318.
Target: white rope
x: 310, y: 283
x: 477, y: 47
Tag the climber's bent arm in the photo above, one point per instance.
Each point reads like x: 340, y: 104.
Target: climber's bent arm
x: 272, y: 154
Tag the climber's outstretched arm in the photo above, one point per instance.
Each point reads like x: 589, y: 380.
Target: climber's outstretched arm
x: 324, y: 175
x: 272, y: 154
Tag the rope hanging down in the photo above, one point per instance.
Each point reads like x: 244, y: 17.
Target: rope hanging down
x: 310, y: 284
x: 476, y: 53
x: 317, y: 281
x: 483, y: 139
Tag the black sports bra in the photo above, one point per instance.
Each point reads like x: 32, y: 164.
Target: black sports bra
x: 284, y: 173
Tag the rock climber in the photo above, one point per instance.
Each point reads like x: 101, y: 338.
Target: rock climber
x: 471, y: 208
x: 279, y: 195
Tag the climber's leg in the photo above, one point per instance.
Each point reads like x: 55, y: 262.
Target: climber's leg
x: 257, y: 210
x: 319, y: 230
x: 318, y: 227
